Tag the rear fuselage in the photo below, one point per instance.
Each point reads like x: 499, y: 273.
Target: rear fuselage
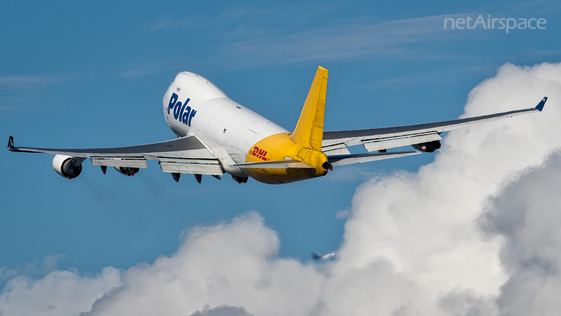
x: 194, y: 106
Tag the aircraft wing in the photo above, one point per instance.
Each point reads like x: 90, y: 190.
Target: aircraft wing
x: 336, y: 142
x: 183, y: 155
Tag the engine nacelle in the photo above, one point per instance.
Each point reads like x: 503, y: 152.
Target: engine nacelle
x: 67, y: 166
x: 428, y: 147
x: 239, y: 179
x: 127, y: 171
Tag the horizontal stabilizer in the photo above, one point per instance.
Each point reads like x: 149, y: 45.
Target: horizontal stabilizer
x: 275, y: 164
x: 342, y: 160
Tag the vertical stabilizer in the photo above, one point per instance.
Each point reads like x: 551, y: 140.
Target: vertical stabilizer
x: 309, y: 129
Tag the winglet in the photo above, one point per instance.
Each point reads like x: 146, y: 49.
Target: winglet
x: 11, y: 143
x: 540, y: 105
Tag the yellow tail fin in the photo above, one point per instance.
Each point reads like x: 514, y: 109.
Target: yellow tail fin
x: 309, y: 129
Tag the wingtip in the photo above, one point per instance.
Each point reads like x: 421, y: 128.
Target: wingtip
x: 540, y: 105
x: 11, y: 143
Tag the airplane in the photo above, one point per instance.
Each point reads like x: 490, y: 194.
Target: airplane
x: 216, y: 136
x: 319, y: 256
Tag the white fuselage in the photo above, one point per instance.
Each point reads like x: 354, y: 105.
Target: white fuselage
x: 194, y: 106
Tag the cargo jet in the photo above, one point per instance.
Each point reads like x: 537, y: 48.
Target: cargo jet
x: 216, y: 135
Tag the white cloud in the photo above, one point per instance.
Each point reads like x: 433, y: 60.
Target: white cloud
x: 472, y: 233
x: 60, y: 293
x: 33, y: 269
x: 527, y: 213
x: 222, y: 310
x: 228, y: 264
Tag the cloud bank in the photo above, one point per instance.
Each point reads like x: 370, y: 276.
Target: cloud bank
x: 476, y: 232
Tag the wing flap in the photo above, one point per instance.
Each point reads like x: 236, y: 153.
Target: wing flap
x: 210, y: 167
x: 337, y: 150
x: 112, y: 162
x: 400, y: 142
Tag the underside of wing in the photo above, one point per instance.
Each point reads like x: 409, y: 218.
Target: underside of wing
x: 184, y: 147
x: 336, y: 142
x: 183, y: 155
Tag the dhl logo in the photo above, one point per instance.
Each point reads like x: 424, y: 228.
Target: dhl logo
x: 259, y: 153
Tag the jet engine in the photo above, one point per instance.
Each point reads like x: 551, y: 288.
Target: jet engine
x: 239, y: 179
x: 68, y: 167
x: 127, y: 171
x: 428, y: 147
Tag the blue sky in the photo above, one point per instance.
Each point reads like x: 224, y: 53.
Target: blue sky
x: 93, y: 75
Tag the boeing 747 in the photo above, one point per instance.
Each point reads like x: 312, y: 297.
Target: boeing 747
x: 216, y: 135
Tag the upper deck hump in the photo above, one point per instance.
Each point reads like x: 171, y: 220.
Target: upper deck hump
x: 197, y: 87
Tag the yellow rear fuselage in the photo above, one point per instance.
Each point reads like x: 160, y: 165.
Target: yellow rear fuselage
x: 303, y: 145
x: 280, y: 147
